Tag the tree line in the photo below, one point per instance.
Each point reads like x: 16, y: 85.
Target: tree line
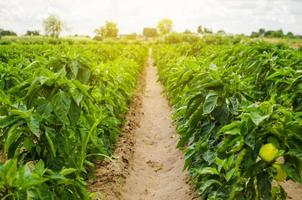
x: 53, y: 26
x: 273, y: 34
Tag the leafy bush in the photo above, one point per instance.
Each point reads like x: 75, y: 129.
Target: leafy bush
x: 230, y: 98
x: 34, y: 181
x: 180, y: 37
x: 63, y: 105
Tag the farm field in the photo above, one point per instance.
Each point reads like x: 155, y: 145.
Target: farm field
x: 61, y: 109
x: 237, y: 112
x: 213, y: 117
x: 150, y: 100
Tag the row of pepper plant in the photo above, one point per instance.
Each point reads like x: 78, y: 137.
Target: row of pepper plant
x: 61, y: 109
x: 237, y: 106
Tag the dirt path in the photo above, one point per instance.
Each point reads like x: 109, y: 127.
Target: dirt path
x: 294, y: 190
x: 156, y: 172
x: 146, y: 164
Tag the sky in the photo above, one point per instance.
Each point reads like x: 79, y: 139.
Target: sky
x: 84, y: 16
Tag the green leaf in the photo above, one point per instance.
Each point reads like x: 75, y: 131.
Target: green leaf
x: 80, y: 87
x: 31, y: 194
x: 234, y: 125
x: 264, y: 186
x: 61, y: 104
x: 74, y: 68
x: 230, y: 174
x: 206, y: 184
x: 292, y: 172
x: 210, y: 103
x: 207, y: 170
x: 10, y: 170
x: 250, y: 140
x: 195, y: 117
x: 50, y: 135
x: 250, y: 190
x: 40, y: 167
x: 34, y: 125
x: 209, y: 156
x: 193, y: 104
x: 74, y: 113
x: 13, y: 135
x: 28, y: 143
x: 65, y: 172
x: 220, y: 163
x: 7, y: 121
x: 83, y: 74
x: 77, y: 95
x: 279, y: 193
x: 257, y: 118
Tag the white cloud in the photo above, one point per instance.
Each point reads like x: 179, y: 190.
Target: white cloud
x: 83, y: 16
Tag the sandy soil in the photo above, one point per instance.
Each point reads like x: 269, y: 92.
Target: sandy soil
x: 157, y: 168
x: 294, y: 190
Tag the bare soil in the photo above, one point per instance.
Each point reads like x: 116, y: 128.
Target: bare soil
x: 156, y: 170
x: 294, y: 190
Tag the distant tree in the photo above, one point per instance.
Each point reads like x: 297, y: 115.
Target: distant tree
x: 98, y: 38
x: 131, y: 36
x: 261, y: 32
x: 6, y: 33
x: 279, y: 33
x: 272, y: 33
x: 290, y: 35
x: 200, y: 29
x: 187, y: 31
x: 207, y: 30
x: 32, y: 33
x: 180, y: 37
x: 254, y: 34
x: 268, y: 33
x: 82, y: 36
x: 110, y: 30
x: 150, y: 32
x: 53, y: 26
x: 222, y: 32
x: 165, y: 26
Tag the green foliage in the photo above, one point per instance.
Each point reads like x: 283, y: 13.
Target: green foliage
x: 165, y: 26
x: 64, y: 105
x: 180, y: 37
x: 273, y: 34
x: 204, y: 30
x: 53, y: 26
x: 32, y: 33
x: 150, y: 32
x: 34, y: 181
x: 131, y: 36
x: 39, y: 40
x: 109, y: 30
x: 231, y: 97
x: 6, y: 33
